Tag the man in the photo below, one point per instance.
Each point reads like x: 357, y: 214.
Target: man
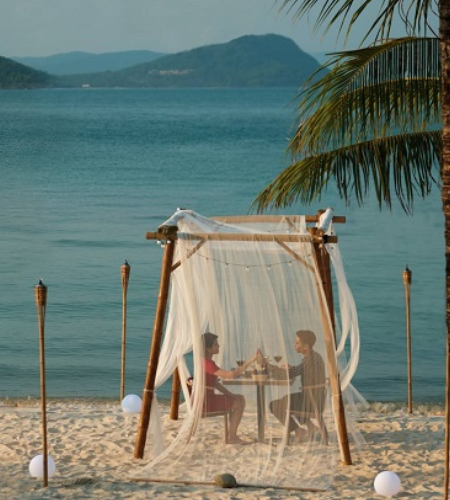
x: 313, y: 390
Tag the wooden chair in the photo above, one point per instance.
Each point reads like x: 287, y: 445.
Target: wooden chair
x: 317, y: 408
x: 208, y: 414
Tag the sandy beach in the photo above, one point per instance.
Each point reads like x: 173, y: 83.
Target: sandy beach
x: 92, y: 446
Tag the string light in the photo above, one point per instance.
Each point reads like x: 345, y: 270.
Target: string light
x: 250, y: 266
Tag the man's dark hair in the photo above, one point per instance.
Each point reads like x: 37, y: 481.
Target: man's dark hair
x: 307, y: 337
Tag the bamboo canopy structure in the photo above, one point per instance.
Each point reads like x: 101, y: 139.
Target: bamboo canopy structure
x: 281, y: 240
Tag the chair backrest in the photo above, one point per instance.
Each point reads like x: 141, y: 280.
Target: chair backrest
x: 190, y: 385
x: 317, y: 395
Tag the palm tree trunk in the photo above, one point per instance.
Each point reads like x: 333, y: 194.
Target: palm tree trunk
x: 444, y: 32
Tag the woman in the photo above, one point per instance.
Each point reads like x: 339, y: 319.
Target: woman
x: 226, y: 400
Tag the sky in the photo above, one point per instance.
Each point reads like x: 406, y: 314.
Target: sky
x: 46, y: 27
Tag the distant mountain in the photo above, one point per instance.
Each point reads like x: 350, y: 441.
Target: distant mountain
x: 14, y: 75
x: 84, y: 62
x: 248, y: 61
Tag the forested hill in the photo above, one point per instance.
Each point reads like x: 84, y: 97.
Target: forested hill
x: 249, y: 61
x: 14, y: 75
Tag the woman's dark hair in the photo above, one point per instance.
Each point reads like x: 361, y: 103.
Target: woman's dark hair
x: 209, y: 339
x: 307, y: 337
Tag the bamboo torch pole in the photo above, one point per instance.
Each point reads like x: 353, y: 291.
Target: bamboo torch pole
x: 407, y: 274
x: 125, y: 272
x: 40, y: 296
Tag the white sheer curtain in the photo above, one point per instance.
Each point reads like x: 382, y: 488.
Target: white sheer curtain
x: 254, y: 287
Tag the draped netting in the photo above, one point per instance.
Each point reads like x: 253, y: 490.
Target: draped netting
x: 253, y: 284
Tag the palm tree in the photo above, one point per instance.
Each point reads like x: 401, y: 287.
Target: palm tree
x: 397, y: 94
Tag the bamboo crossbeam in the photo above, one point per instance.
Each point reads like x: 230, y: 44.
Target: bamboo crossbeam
x: 337, y: 219
x: 212, y: 483
x: 289, y: 238
x: 156, y: 235
x: 290, y: 223
x: 296, y: 256
x: 189, y: 254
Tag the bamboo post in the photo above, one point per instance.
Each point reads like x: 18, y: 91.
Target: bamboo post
x: 323, y: 264
x: 175, y: 402
x: 152, y: 366
x: 40, y: 296
x: 407, y: 274
x: 125, y: 272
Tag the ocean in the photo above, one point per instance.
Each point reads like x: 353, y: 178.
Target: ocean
x: 86, y: 173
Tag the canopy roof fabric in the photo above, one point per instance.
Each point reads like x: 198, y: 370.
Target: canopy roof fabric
x: 254, y: 282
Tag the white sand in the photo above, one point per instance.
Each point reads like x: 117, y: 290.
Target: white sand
x: 92, y: 446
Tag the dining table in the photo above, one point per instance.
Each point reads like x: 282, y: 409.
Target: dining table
x: 260, y: 382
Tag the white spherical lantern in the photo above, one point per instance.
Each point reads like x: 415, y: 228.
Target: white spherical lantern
x: 387, y: 484
x: 36, y: 466
x: 131, y: 404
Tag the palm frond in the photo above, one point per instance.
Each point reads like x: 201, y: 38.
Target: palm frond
x: 404, y: 165
x: 415, y: 14
x: 390, y: 88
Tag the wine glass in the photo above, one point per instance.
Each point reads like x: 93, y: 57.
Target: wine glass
x: 277, y: 358
x: 240, y: 362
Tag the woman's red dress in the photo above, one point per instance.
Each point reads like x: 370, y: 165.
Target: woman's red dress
x: 213, y: 401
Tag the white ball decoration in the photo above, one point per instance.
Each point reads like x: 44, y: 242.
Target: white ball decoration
x: 131, y: 404
x: 36, y: 466
x: 387, y: 484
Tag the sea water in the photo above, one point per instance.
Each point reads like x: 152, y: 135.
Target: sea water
x: 86, y: 173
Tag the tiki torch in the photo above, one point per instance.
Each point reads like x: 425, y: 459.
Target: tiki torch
x: 40, y: 295
x: 407, y: 274
x: 125, y: 271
